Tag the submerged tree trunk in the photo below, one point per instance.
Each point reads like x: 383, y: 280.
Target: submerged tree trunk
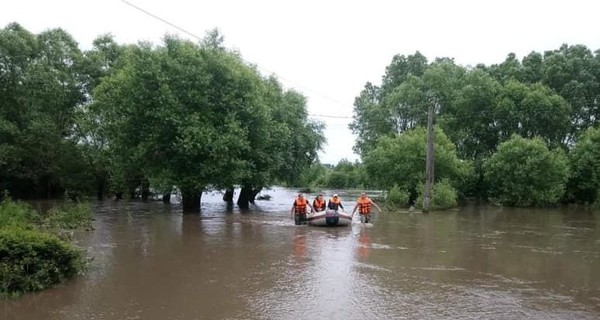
x: 100, y: 188
x: 228, y: 196
x: 166, y: 198
x: 191, y: 200
x: 244, y: 198
x: 145, y: 186
x: 247, y: 195
x: 119, y: 196
x: 101, y: 185
x: 254, y: 193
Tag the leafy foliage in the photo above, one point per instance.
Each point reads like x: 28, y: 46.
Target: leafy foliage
x: 584, y: 180
x: 129, y: 118
x: 32, y: 260
x: 40, y: 89
x: 121, y: 117
x: 401, y: 161
x: 343, y: 175
x: 69, y: 216
x: 552, y: 96
x: 525, y: 173
x: 397, y: 197
x: 13, y: 214
x: 444, y: 196
x: 31, y: 257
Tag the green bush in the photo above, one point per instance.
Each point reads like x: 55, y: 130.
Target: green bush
x: 584, y: 178
x: 337, y: 180
x: 397, y: 197
x: 444, y: 196
x: 15, y: 214
x: 523, y: 172
x: 32, y: 260
x: 400, y: 160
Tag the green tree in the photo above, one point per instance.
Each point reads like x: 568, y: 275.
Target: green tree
x: 41, y: 87
x: 99, y: 62
x: 400, y: 161
x: 524, y: 172
x: 530, y: 111
x: 180, y: 124
x: 379, y: 112
x: 574, y: 73
x: 584, y: 180
x: 370, y: 121
x: 470, y: 121
x: 509, y: 70
x: 201, y: 118
x: 301, y: 138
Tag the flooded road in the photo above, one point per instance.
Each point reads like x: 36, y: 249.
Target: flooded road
x: 152, y: 262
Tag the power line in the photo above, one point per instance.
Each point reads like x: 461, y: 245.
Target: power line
x: 442, y: 116
x: 161, y: 19
x: 305, y: 88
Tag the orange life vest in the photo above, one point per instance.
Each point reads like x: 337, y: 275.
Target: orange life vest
x: 364, y: 205
x: 319, y: 205
x: 334, y: 203
x: 300, y: 205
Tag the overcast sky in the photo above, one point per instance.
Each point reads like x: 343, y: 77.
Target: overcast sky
x: 329, y: 49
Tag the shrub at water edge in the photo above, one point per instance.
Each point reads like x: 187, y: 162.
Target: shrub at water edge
x: 14, y: 214
x: 397, y: 197
x: 444, y: 196
x: 524, y: 172
x: 32, y: 260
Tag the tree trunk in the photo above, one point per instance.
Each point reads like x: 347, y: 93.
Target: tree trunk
x: 100, y: 189
x: 228, y: 196
x: 119, y: 196
x: 145, y: 189
x: 191, y: 200
x: 244, y: 198
x: 254, y: 193
x: 166, y: 198
x: 429, y: 165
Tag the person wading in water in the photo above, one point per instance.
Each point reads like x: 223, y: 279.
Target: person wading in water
x: 363, y: 204
x: 298, y: 212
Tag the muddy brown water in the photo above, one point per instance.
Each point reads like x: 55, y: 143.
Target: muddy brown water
x: 480, y: 262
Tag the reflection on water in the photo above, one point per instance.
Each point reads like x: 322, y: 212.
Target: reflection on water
x: 364, y: 244
x: 151, y: 262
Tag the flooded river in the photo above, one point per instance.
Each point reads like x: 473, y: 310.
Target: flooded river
x: 152, y: 262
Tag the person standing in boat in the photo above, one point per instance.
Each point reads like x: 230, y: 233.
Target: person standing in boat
x: 319, y: 204
x: 299, y: 211
x: 335, y: 203
x: 363, y: 204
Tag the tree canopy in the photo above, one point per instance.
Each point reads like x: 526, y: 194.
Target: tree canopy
x: 525, y: 173
x: 120, y: 118
x: 123, y: 119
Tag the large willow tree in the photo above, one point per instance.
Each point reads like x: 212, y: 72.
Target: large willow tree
x: 197, y: 117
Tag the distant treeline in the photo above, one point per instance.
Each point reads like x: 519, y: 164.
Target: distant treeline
x: 522, y: 132
x: 125, y: 120
x: 128, y: 120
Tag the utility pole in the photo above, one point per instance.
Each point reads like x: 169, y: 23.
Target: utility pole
x: 429, y: 167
